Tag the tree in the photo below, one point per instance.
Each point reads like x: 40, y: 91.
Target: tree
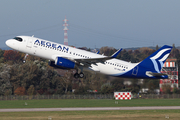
x: 20, y: 91
x: 106, y: 88
x: 1, y: 55
x: 33, y: 75
x: 31, y: 90
x: 107, y: 50
x: 166, y: 88
x: 134, y: 87
x: 81, y: 90
x: 5, y: 85
x: 117, y: 84
x: 151, y: 86
x: 175, y: 90
x: 174, y: 53
x: 12, y: 55
x: 157, y: 47
x: 66, y: 80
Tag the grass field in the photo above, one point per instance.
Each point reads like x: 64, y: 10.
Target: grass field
x: 94, y: 115
x: 91, y: 115
x: 87, y: 103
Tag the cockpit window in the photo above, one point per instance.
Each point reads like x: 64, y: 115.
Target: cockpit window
x: 18, y: 39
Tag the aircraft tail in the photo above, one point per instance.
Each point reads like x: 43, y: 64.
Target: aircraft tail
x: 154, y: 63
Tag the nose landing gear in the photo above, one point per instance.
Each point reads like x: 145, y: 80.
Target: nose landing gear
x: 25, y: 57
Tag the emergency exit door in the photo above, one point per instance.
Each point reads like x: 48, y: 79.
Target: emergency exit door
x: 29, y: 43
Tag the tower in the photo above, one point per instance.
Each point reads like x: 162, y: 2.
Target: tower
x: 65, y: 31
x: 171, y: 68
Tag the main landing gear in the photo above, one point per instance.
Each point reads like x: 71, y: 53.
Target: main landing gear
x: 77, y: 74
x: 80, y: 75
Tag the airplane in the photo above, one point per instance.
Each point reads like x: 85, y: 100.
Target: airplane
x: 66, y: 57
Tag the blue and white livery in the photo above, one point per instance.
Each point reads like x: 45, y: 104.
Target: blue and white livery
x: 66, y: 57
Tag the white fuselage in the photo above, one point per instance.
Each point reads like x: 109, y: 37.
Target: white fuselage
x: 50, y: 50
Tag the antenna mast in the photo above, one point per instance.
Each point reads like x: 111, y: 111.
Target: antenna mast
x: 65, y: 31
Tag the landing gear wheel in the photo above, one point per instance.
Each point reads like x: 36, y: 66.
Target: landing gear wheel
x: 81, y: 75
x: 76, y: 75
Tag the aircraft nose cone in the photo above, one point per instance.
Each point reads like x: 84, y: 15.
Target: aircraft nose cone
x: 8, y: 42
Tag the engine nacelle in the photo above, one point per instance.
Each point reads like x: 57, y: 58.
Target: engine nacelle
x: 64, y: 63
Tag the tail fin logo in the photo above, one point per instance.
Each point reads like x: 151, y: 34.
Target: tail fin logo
x: 160, y: 58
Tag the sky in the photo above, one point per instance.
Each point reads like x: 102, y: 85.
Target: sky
x: 93, y: 23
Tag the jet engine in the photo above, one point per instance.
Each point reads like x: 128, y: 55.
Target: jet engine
x: 62, y: 63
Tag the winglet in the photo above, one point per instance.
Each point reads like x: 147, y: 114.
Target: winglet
x: 116, y: 53
x: 97, y: 52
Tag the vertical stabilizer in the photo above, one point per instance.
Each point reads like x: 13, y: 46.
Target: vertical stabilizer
x: 155, y: 61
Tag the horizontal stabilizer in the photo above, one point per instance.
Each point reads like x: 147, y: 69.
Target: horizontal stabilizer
x: 158, y: 74
x: 155, y: 74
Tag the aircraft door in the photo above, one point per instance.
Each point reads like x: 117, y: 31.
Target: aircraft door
x: 29, y: 43
x: 135, y: 71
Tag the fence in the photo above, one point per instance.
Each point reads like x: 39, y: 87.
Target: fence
x: 88, y: 96
x: 38, y: 97
x: 156, y: 96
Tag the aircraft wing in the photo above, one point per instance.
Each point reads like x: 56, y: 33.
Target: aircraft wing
x: 88, y: 62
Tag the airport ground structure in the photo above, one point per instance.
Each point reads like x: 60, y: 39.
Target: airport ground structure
x: 171, y: 68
